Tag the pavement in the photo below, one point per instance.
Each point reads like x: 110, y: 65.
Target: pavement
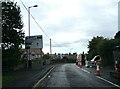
x: 26, y: 78
x: 105, y: 73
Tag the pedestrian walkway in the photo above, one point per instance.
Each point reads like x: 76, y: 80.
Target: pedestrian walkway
x: 104, y: 73
x: 26, y: 78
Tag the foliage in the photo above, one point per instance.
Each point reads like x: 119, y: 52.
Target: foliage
x: 12, y: 34
x: 103, y: 47
x: 105, y: 50
x: 46, y: 56
x: 117, y: 36
x: 6, y: 79
x: 93, y: 46
x: 71, y: 60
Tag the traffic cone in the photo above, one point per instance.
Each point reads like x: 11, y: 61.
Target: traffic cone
x: 98, y: 70
x: 80, y: 65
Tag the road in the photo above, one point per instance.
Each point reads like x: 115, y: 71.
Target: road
x: 69, y: 75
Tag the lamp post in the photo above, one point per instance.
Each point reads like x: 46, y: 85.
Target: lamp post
x: 29, y: 17
x: 29, y: 32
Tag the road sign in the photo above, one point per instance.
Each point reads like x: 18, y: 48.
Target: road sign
x: 34, y: 42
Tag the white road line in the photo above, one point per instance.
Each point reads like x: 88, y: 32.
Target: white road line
x: 42, y: 78
x: 85, y: 71
x: 108, y: 81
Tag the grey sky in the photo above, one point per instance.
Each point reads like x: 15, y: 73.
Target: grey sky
x: 71, y: 23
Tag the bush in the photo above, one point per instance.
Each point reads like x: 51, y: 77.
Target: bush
x: 103, y: 47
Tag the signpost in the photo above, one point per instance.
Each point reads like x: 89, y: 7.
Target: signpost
x: 33, y: 42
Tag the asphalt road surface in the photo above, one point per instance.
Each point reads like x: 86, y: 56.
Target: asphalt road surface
x: 69, y: 75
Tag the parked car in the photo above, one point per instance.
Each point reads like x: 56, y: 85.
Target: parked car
x: 92, y: 62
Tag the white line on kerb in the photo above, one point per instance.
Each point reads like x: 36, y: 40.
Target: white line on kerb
x: 108, y: 81
x: 85, y: 71
x: 43, y: 78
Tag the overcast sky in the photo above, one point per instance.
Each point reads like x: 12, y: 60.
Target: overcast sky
x: 71, y: 24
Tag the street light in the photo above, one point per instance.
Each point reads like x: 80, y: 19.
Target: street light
x: 29, y: 17
x: 29, y: 31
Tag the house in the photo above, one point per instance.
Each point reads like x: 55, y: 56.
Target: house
x: 34, y: 53
x: 33, y: 46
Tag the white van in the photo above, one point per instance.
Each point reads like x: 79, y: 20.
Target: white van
x: 93, y: 61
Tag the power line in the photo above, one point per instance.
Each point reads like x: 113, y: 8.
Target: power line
x: 40, y: 26
x: 35, y: 20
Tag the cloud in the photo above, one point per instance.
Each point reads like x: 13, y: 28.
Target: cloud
x: 72, y: 23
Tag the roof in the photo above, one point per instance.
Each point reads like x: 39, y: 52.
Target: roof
x: 36, y: 51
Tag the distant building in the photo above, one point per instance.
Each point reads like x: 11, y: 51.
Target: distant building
x: 35, y: 53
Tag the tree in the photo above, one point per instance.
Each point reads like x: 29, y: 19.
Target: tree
x: 103, y: 47
x: 93, y: 46
x: 12, y: 33
x: 117, y: 36
x: 105, y: 50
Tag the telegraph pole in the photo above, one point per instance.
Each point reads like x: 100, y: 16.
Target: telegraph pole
x: 29, y: 32
x: 119, y: 16
x: 50, y: 47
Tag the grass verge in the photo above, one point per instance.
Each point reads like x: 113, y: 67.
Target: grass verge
x: 6, y: 79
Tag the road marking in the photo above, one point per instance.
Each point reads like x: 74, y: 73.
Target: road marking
x: 108, y: 81
x: 85, y: 70
x: 43, y: 78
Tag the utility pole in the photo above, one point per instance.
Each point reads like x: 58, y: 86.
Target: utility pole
x: 119, y: 16
x: 50, y: 47
x: 29, y: 32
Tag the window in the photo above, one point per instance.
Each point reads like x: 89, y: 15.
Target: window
x: 37, y: 44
